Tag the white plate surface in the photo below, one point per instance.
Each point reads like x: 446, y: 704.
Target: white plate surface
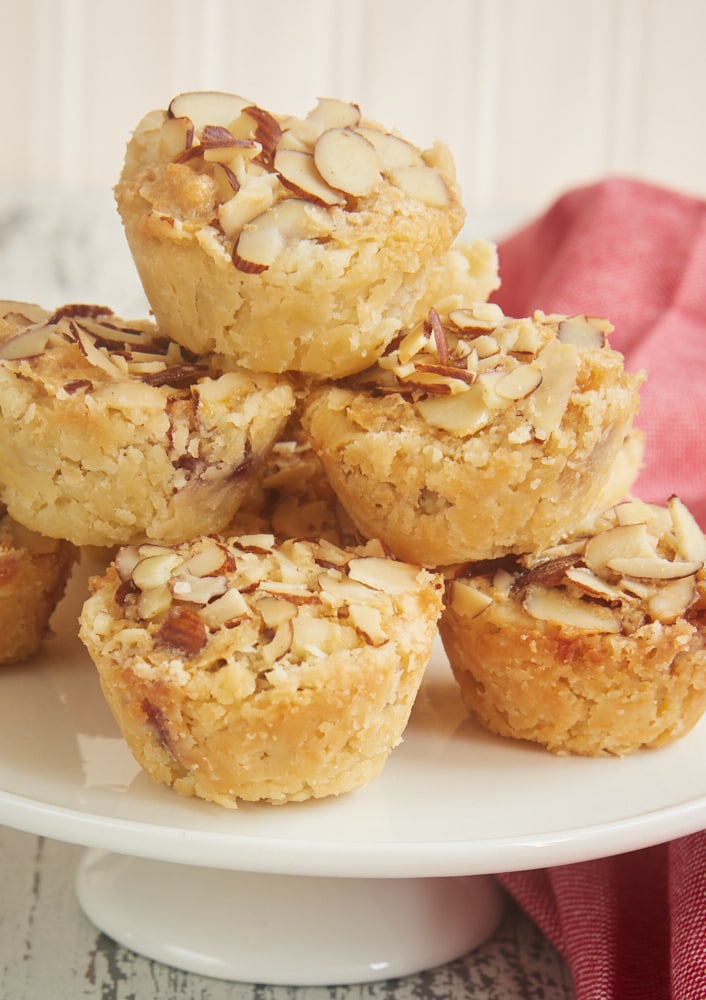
x: 452, y: 799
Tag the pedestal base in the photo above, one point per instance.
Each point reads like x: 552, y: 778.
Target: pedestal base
x: 285, y: 929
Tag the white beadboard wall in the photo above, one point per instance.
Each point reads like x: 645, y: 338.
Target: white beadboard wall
x: 533, y: 96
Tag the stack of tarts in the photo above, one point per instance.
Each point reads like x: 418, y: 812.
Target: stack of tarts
x: 326, y: 447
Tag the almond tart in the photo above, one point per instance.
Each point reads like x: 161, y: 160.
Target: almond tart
x: 289, y: 243
x: 34, y: 571
x: 476, y: 435
x: 110, y: 432
x: 596, y: 646
x: 250, y: 669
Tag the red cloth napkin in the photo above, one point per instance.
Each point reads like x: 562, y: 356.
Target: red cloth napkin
x: 631, y: 927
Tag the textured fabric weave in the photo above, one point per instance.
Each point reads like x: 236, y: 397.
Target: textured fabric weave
x: 631, y: 927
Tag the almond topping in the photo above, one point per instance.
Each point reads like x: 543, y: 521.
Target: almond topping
x: 347, y: 161
x: 182, y: 630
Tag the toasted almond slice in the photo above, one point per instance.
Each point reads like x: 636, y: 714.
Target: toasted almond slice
x: 343, y: 588
x: 462, y: 413
x: 394, y: 152
x: 155, y: 570
x: 280, y: 644
x: 690, y: 539
x: 275, y: 610
x: 347, y: 161
x: 260, y: 243
x: 560, y: 609
x: 330, y: 112
x: 229, y: 607
x: 207, y: 107
x: 670, y: 601
x: 197, y: 589
x: 625, y: 540
x: 298, y: 172
x: 593, y: 584
x: 559, y: 364
x: 126, y: 558
x: 30, y: 343
x: 467, y: 600
x: 519, y: 383
x: 388, y: 575
x: 645, y: 568
x: 176, y: 136
x: 368, y: 621
x: 481, y: 316
x: 249, y: 202
x: 422, y: 183
x: 633, y: 511
x: 153, y: 602
x: 581, y: 332
x: 209, y: 560
x: 413, y: 342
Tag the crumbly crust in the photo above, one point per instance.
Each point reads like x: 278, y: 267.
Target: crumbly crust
x: 245, y: 669
x: 33, y: 576
x: 579, y: 648
x: 111, y: 433
x: 345, y: 276
x: 437, y: 458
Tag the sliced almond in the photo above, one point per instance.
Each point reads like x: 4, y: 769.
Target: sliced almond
x: 176, y: 136
x: 29, y: 343
x: 671, y: 601
x: 368, y: 621
x: 560, y: 609
x: 197, y: 589
x: 519, y: 383
x: 207, y: 107
x: 422, y: 183
x: 394, y: 152
x: 624, y: 541
x: 207, y: 561
x: 263, y: 239
x: 333, y: 113
x: 343, y: 588
x: 388, y: 575
x: 347, y: 161
x: 155, y: 570
x: 593, y: 585
x: 467, y: 600
x: 298, y: 172
x: 275, y: 610
x: 280, y: 644
x: 463, y: 413
x: 690, y: 539
x: 482, y: 316
x: 559, y: 364
x: 229, y: 607
x: 249, y: 202
x: 154, y: 602
x: 582, y: 333
x: 632, y: 511
x: 654, y: 568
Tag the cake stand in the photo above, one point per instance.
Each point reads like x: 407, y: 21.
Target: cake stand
x: 382, y: 882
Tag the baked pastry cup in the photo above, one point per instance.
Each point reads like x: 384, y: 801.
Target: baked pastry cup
x: 594, y: 647
x: 476, y: 435
x: 34, y: 572
x: 245, y: 669
x: 109, y: 432
x: 287, y: 243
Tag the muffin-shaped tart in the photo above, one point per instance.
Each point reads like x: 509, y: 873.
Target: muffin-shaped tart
x: 475, y: 435
x: 111, y: 433
x: 34, y: 572
x: 242, y: 668
x: 287, y: 243
x: 596, y: 646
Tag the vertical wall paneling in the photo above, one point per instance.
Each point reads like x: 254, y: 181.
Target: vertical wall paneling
x: 533, y: 96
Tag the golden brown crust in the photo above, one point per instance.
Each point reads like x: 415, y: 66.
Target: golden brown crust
x: 580, y: 657
x: 514, y: 476
x: 295, y: 682
x: 33, y: 576
x: 129, y: 436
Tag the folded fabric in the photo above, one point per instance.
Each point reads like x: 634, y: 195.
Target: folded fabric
x: 631, y: 927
